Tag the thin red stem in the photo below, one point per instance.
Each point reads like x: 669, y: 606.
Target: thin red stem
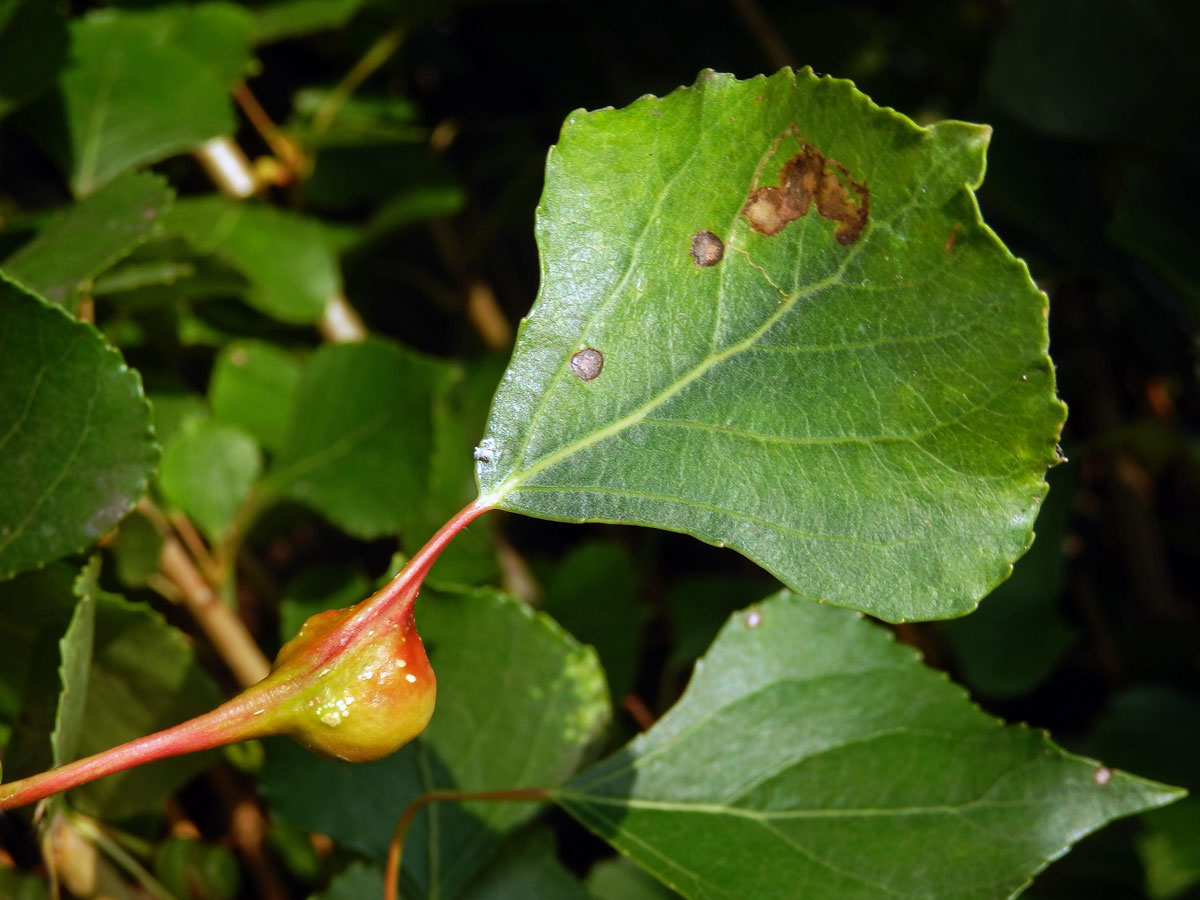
x: 394, y: 600
x: 235, y: 720
x: 396, y: 848
x: 226, y: 724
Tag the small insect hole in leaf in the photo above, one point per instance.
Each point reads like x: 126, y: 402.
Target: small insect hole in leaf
x: 587, y: 364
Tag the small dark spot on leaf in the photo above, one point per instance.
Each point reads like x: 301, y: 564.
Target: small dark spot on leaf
x: 587, y: 364
x: 807, y: 177
x: 1102, y: 776
x: 707, y: 248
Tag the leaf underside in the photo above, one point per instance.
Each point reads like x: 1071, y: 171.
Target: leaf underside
x: 857, y: 397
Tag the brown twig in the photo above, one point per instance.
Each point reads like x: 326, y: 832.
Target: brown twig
x: 638, y: 711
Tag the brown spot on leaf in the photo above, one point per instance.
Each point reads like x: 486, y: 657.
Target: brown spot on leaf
x: 953, y: 239
x: 806, y: 178
x: 587, y: 364
x: 707, y: 248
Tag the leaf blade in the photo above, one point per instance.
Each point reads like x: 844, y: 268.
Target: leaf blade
x: 852, y: 424
x: 76, y: 449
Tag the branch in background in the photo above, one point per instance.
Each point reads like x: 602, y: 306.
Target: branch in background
x: 286, y: 152
x: 378, y: 54
x: 341, y: 323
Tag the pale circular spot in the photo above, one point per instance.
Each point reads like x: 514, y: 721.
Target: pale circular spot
x: 587, y: 364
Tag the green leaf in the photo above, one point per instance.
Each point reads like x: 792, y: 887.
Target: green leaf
x: 253, y: 386
x: 619, y: 879
x: 356, y: 881
x: 208, y: 471
x: 127, y: 98
x: 85, y: 239
x: 861, y: 402
x: 143, y: 677
x: 137, y: 550
x: 75, y: 652
x: 76, y: 449
x: 519, y: 702
x: 358, y: 447
x: 811, y: 742
x: 292, y: 272
x: 612, y: 622
x: 284, y: 19
x: 215, y: 35
x: 35, y: 610
x: 33, y: 46
x: 526, y: 866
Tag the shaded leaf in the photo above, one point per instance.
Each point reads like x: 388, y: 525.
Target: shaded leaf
x: 33, y: 47
x: 253, y: 386
x: 83, y: 240
x: 503, y: 671
x: 208, y: 471
x: 35, y: 609
x: 76, y: 448
x: 812, y: 743
x: 282, y: 19
x: 526, y: 866
x: 137, y: 550
x: 75, y: 653
x: 291, y: 270
x: 143, y: 677
x: 126, y: 99
x: 216, y: 35
x: 356, y: 881
x: 857, y: 398
x: 593, y: 594
x: 619, y: 879
x: 358, y: 447
x: 1018, y: 636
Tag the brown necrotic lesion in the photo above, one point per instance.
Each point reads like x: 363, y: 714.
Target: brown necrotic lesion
x: 806, y: 179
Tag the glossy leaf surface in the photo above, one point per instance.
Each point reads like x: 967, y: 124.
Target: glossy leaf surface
x: 813, y: 744
x: 771, y: 317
